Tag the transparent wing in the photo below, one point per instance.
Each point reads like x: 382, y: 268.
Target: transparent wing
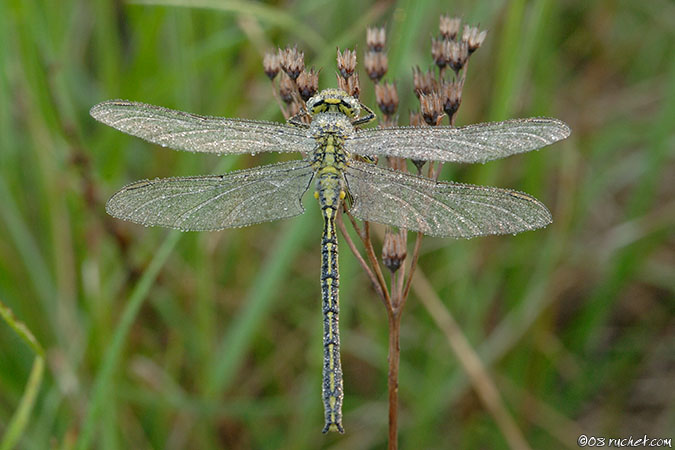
x: 236, y: 199
x: 471, y: 144
x: 185, y: 131
x: 437, y: 208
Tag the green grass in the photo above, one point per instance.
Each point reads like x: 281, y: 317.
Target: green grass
x: 156, y: 339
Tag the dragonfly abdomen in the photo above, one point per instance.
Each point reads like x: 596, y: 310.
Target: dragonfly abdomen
x: 330, y: 194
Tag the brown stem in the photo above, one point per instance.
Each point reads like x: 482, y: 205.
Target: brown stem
x: 355, y: 224
x: 400, y: 280
x: 279, y: 102
x: 370, y: 252
x: 394, y: 360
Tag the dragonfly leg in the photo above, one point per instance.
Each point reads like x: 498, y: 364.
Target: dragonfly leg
x: 296, y: 120
x: 369, y: 117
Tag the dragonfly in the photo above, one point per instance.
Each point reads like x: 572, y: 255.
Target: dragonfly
x: 331, y: 144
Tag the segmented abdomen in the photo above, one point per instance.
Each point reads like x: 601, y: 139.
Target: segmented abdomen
x: 329, y: 195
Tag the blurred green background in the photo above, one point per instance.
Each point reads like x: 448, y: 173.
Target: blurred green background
x: 157, y: 339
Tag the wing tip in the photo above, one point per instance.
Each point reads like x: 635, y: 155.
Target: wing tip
x: 562, y: 128
x: 99, y: 110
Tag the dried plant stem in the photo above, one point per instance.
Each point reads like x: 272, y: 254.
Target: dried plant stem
x: 400, y: 280
x: 394, y: 359
x: 284, y: 112
x: 370, y: 252
x: 471, y: 363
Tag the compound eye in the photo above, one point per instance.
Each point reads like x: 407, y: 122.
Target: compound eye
x: 346, y: 109
x: 316, y: 106
x: 311, y: 103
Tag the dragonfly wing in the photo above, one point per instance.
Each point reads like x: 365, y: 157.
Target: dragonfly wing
x: 474, y: 143
x: 438, y: 208
x: 236, y: 199
x: 185, y: 131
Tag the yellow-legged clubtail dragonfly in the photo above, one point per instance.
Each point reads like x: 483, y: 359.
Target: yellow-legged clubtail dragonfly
x: 378, y: 194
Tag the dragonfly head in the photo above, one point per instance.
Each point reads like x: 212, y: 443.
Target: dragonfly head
x: 334, y: 100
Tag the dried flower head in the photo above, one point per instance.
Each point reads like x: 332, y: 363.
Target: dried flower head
x: 394, y: 249
x: 449, y: 26
x: 387, y: 98
x: 346, y: 62
x: 437, y: 52
x: 292, y: 61
x: 451, y: 97
x: 375, y: 39
x: 308, y: 83
x: 457, y: 53
x: 473, y: 37
x: 287, y: 88
x: 350, y: 85
x: 425, y: 83
x: 431, y: 107
x: 376, y: 64
x: 271, y: 64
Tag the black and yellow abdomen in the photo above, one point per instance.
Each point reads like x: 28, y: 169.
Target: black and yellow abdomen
x: 329, y: 158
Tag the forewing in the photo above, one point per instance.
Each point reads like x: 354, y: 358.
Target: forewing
x: 438, y: 208
x: 185, y: 131
x: 236, y: 199
x: 474, y: 143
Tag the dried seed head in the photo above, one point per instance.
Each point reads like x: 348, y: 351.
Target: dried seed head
x: 425, y: 83
x: 292, y: 61
x: 271, y: 65
x: 387, y: 98
x: 346, y: 62
x: 437, y: 52
x: 456, y: 54
x: 350, y: 85
x: 419, y: 163
x: 376, y: 64
x: 449, y: 26
x: 394, y: 250
x: 451, y: 96
x: 375, y: 39
x: 431, y: 108
x: 308, y: 83
x: 287, y: 88
x: 473, y: 37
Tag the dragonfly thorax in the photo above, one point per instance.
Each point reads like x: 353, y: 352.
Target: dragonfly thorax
x: 334, y: 100
x: 333, y: 124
